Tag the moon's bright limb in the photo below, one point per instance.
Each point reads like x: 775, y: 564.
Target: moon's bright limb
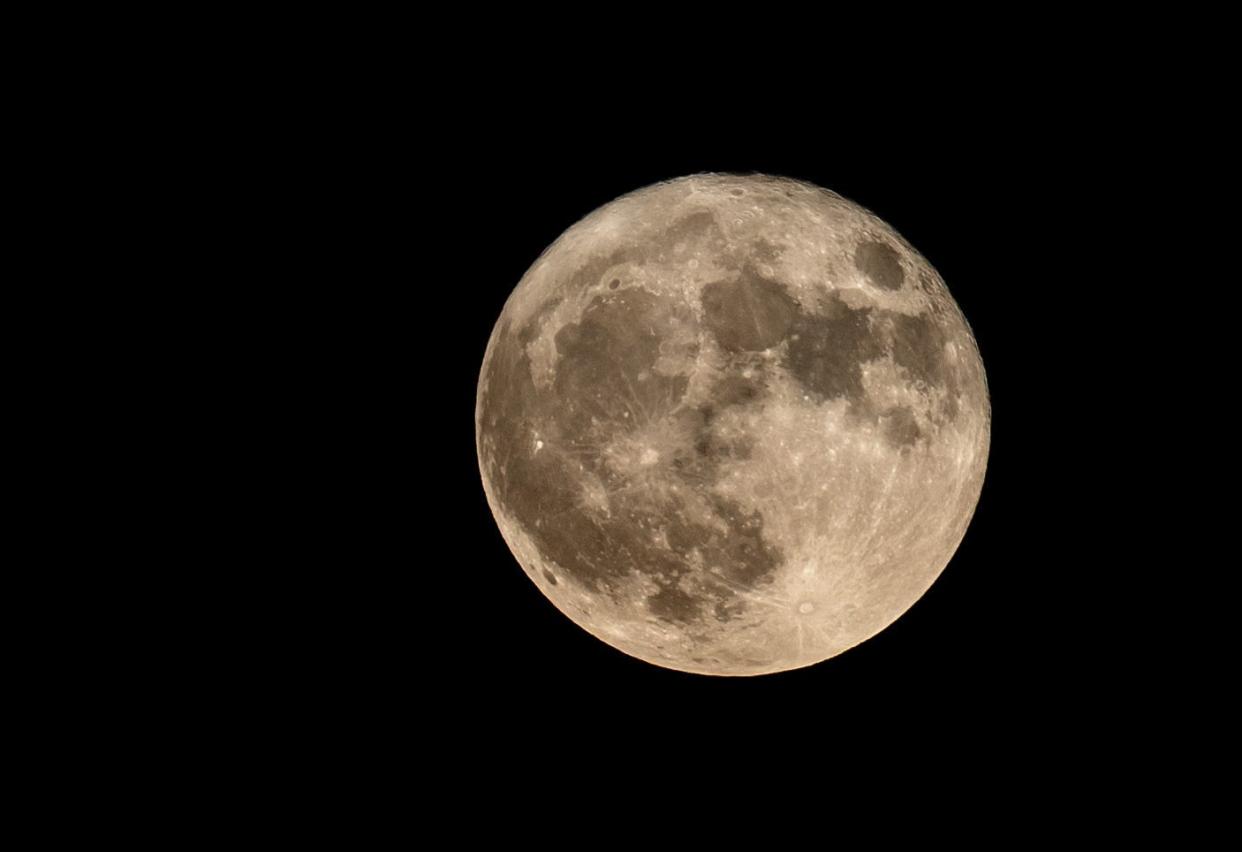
x: 732, y: 424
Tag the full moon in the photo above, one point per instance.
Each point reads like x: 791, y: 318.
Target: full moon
x: 732, y: 425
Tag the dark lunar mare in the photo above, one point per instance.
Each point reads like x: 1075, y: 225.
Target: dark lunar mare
x: 825, y: 349
x: 748, y: 313
x: 606, y: 386
x: 880, y: 263
x: 542, y: 447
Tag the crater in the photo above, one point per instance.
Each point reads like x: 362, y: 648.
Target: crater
x: 589, y: 274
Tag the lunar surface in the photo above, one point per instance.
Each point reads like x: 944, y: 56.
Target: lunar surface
x: 732, y: 425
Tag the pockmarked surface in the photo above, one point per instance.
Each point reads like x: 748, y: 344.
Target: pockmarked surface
x: 732, y: 424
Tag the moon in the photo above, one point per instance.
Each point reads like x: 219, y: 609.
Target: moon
x: 732, y: 424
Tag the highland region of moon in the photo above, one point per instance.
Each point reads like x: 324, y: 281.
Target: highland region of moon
x: 732, y: 425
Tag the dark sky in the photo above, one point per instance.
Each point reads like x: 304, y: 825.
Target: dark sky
x: 1001, y: 639
x: 352, y: 207
x: 429, y: 613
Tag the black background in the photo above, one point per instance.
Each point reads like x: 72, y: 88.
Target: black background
x: 353, y: 620
x: 377, y: 631
x: 1007, y: 643
x: 361, y: 623
x: 415, y: 625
